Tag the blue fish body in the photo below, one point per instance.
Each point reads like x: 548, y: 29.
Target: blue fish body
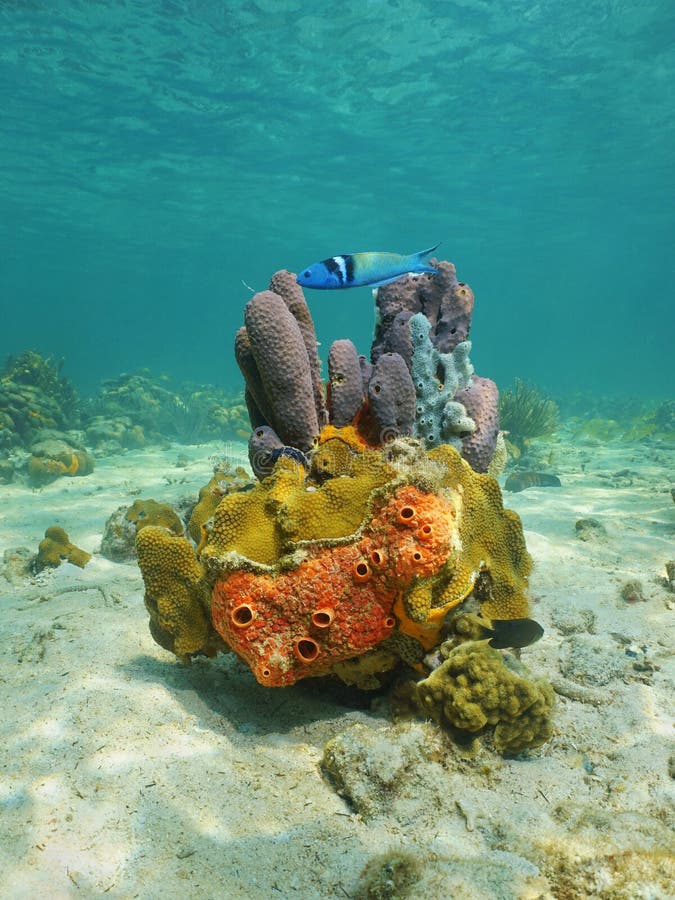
x: 364, y: 269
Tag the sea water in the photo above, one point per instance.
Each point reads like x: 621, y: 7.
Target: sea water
x: 160, y: 158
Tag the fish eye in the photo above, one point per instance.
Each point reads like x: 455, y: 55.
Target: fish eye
x: 306, y: 274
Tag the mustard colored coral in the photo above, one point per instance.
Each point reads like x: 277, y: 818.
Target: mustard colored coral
x: 143, y: 513
x: 491, y: 538
x: 176, y: 595
x: 56, y: 548
x: 210, y: 496
x: 54, y: 459
x: 475, y: 688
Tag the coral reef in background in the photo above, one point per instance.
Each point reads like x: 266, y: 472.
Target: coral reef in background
x: 635, y: 420
x: 34, y: 396
x: 137, y: 408
x: 51, y: 458
x: 44, y: 424
x: 525, y: 413
x: 40, y: 413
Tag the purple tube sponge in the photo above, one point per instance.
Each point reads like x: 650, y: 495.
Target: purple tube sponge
x: 261, y: 446
x: 446, y: 303
x: 480, y: 400
x: 454, y: 319
x: 280, y: 354
x: 345, y: 381
x: 257, y: 403
x: 392, y: 397
x: 285, y: 285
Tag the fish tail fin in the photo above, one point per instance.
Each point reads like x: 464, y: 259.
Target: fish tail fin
x: 421, y: 260
x: 424, y: 255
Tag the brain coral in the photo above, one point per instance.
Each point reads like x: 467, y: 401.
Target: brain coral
x: 474, y: 688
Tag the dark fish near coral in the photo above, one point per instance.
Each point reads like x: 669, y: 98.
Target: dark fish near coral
x: 364, y: 269
x: 513, y: 633
x: 520, y: 481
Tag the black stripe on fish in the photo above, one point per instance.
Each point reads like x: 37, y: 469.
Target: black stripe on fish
x: 335, y: 268
x: 349, y: 267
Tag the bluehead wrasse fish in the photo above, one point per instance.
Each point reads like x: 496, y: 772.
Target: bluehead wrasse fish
x: 364, y: 269
x: 512, y: 633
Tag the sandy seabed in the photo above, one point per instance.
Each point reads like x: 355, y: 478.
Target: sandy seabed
x: 127, y: 774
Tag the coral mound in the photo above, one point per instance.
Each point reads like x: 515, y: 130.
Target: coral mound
x: 370, y: 519
x: 301, y: 575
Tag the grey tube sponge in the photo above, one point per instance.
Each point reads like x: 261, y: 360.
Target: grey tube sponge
x: 436, y: 378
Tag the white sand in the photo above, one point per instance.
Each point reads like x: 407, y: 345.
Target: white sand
x: 127, y: 774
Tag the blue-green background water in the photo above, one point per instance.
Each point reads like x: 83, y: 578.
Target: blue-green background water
x: 154, y: 153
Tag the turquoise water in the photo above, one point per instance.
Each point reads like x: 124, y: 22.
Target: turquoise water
x: 155, y: 154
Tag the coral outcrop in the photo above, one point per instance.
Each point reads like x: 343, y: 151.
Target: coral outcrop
x: 136, y: 408
x: 56, y: 548
x: 53, y: 457
x: 302, y: 574
x: 34, y: 395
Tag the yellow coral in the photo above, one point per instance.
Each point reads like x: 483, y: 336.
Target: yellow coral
x: 210, y: 496
x: 43, y: 469
x: 338, y: 508
x: 149, y: 512
x: 283, y: 510
x: 348, y: 434
x: 176, y: 595
x: 474, y: 688
x: 56, y: 548
x: 491, y: 540
x: 244, y: 523
x: 332, y: 458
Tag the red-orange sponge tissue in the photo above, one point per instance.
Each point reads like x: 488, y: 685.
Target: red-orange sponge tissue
x: 338, y: 602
